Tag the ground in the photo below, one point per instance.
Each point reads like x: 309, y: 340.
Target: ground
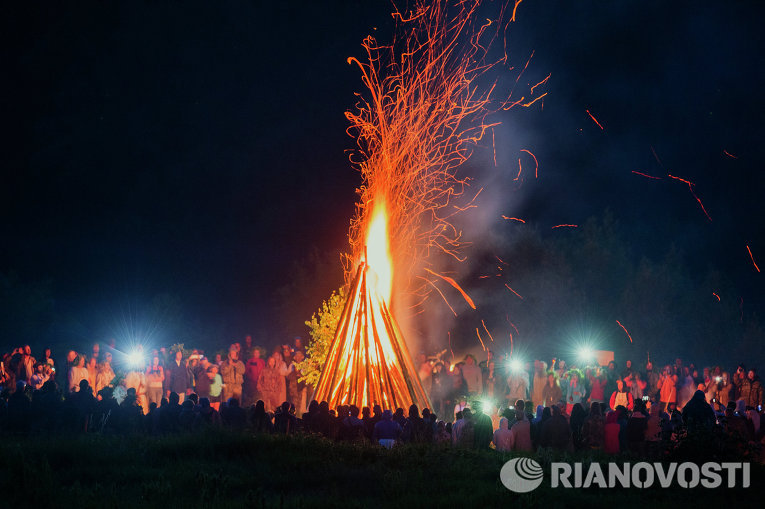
x: 221, y: 469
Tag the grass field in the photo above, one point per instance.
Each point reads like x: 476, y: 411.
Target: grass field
x: 220, y: 469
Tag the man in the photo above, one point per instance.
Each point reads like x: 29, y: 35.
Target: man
x: 667, y: 388
x: 247, y: 348
x: 652, y: 381
x: 484, y: 365
x: 483, y: 428
x: 178, y: 378
x: 232, y: 372
x: 472, y: 374
x: 26, y: 368
x: 755, y: 390
x: 40, y: 377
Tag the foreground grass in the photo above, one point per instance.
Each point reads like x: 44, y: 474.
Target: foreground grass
x: 220, y: 469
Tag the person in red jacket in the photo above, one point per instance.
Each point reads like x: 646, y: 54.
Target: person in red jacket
x: 597, y: 388
x: 252, y: 371
x: 621, y: 397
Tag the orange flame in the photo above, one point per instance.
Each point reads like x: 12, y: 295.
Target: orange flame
x: 378, y: 251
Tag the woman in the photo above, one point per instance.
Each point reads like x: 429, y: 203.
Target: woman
x: 105, y: 374
x: 503, y: 437
x: 77, y: 373
x: 551, y: 394
x: 611, y: 431
x: 597, y: 387
x: 577, y: 422
x: 272, y: 385
x: 260, y: 420
x: 92, y: 372
x: 638, y: 386
x: 621, y: 397
x: 593, y: 431
x: 575, y: 392
x: 155, y: 376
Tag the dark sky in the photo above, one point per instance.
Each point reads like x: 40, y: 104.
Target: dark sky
x: 197, y: 149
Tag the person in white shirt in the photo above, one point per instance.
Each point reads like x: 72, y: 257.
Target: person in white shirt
x: 77, y: 373
x: 472, y: 374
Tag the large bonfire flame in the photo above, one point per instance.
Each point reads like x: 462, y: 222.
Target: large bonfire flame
x: 424, y: 110
x: 368, y: 362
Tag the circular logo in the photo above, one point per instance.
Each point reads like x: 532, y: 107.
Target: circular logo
x: 521, y: 475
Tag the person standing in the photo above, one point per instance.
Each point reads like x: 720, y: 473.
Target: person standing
x: 78, y: 373
x: 155, y: 378
x: 232, y: 372
x: 621, y: 397
x: 575, y: 392
x: 551, y: 392
x: 251, y: 373
x: 105, y: 374
x: 177, y: 377
x: 667, y: 388
x: 539, y: 382
x: 272, y: 386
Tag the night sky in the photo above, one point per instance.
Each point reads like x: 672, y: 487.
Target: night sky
x: 196, y: 152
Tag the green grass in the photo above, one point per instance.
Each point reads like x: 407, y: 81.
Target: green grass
x: 220, y: 469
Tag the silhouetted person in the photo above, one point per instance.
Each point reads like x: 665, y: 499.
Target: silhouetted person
x: 18, y: 409
x: 556, y: 432
x: 284, y: 421
x: 260, y: 420
x: 207, y: 417
x: 232, y: 415
x: 387, y: 431
x: 168, y: 414
x: 187, y: 415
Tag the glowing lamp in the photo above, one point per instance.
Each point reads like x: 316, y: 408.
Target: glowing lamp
x: 135, y: 358
x: 516, y: 365
x: 585, y: 354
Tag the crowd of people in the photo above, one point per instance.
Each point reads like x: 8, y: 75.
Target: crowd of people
x: 497, y: 403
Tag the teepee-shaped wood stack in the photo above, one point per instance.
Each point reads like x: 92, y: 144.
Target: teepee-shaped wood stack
x: 368, y: 362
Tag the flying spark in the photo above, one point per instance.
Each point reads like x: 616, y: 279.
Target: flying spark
x: 690, y: 187
x: 594, y: 120
x: 516, y: 293
x: 752, y: 257
x: 645, y: 175
x: 536, y: 163
x: 625, y: 330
